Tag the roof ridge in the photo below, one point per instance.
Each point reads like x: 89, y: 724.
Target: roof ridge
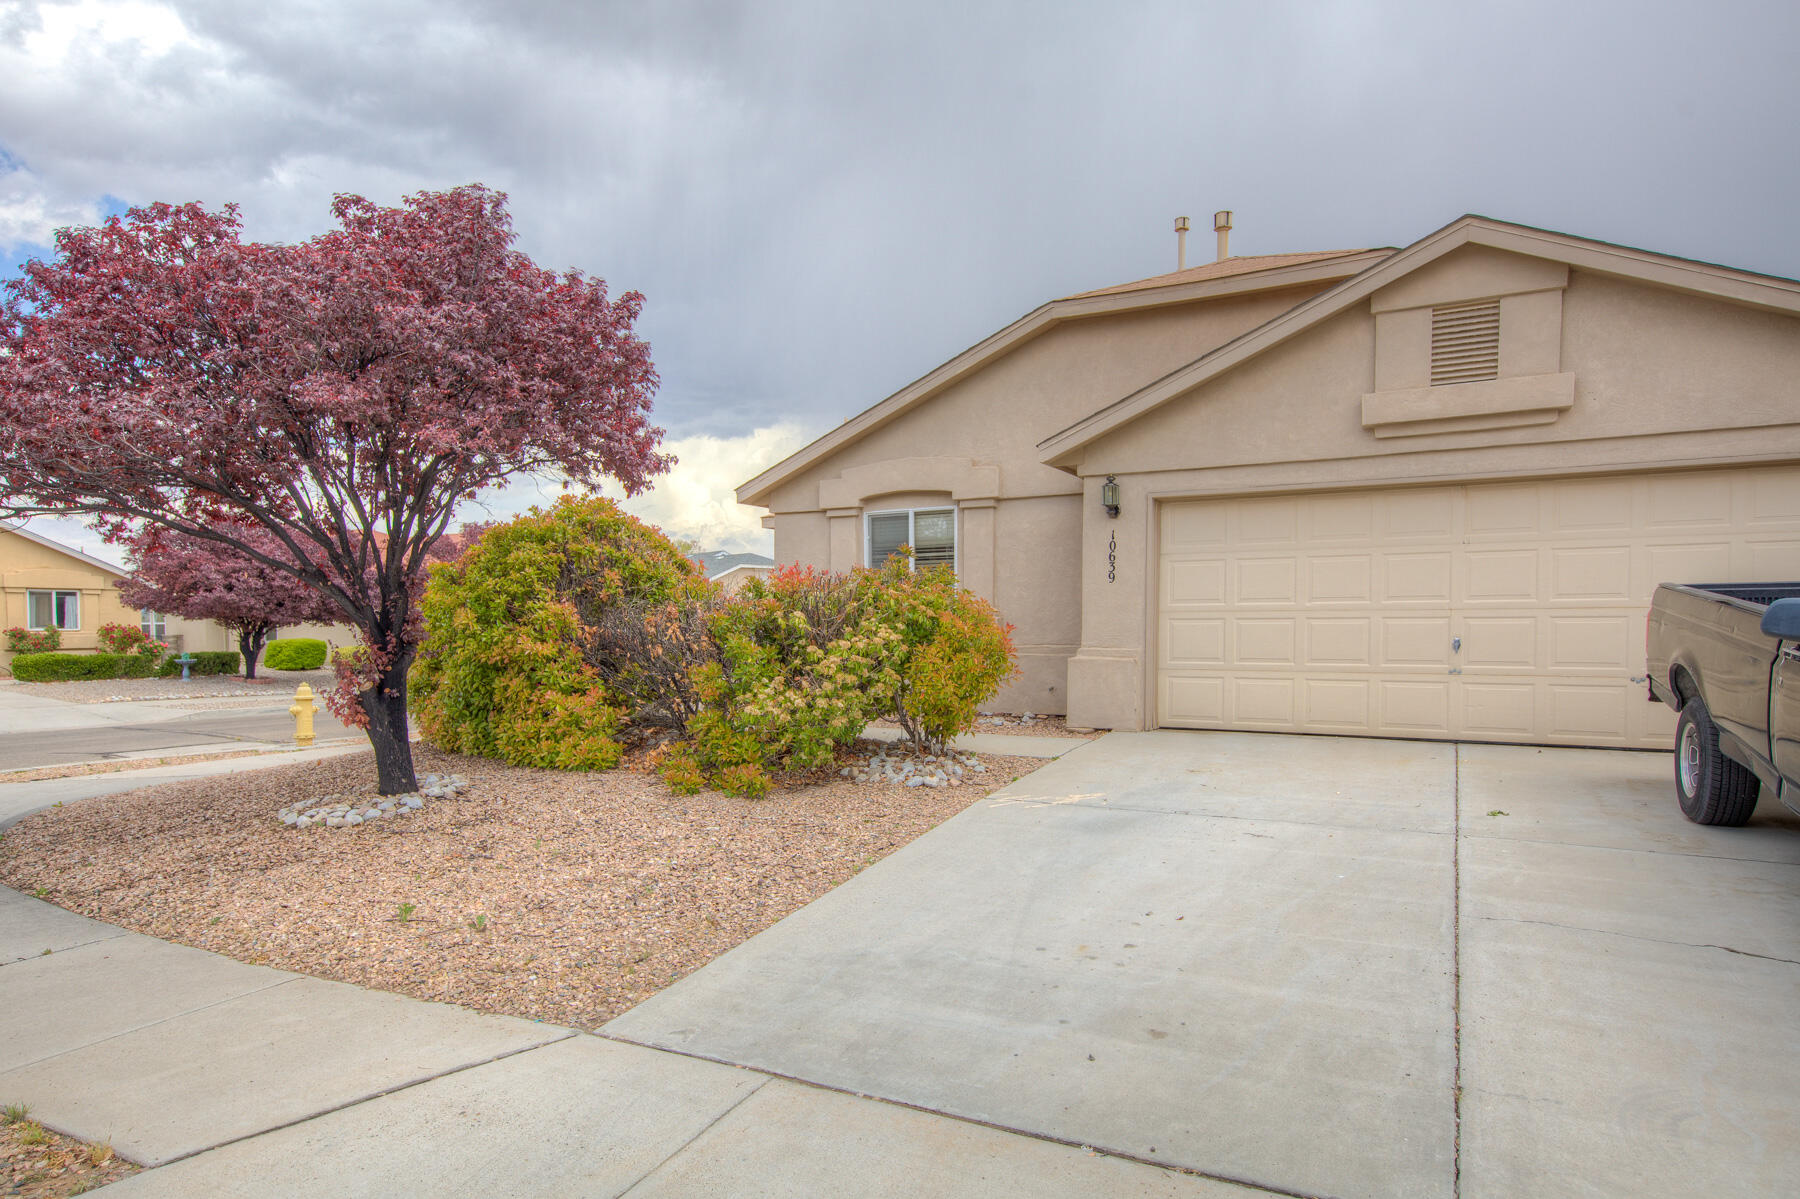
x: 1236, y: 264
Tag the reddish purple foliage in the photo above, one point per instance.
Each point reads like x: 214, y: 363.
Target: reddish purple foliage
x: 342, y: 394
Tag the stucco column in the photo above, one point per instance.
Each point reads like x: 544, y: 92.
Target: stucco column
x: 846, y: 541
x: 1106, y: 675
x: 975, y: 555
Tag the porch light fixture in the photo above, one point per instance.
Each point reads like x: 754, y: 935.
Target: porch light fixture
x: 1109, y: 495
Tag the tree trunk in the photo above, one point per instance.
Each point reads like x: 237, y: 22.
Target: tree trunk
x: 250, y: 645
x: 385, y: 706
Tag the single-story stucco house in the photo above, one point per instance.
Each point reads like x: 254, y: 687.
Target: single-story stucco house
x: 1423, y: 492
x: 44, y: 583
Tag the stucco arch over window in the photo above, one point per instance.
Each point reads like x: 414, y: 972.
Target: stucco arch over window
x: 969, y: 487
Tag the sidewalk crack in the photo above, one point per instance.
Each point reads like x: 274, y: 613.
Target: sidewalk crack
x: 1604, y: 932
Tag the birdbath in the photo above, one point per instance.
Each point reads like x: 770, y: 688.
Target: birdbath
x: 185, y: 661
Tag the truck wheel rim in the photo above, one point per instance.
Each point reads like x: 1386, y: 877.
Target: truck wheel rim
x: 1689, y: 765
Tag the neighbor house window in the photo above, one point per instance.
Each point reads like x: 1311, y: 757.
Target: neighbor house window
x: 53, y: 609
x: 930, y: 531
x: 155, y: 625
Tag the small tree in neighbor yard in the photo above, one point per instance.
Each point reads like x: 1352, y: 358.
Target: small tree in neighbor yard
x: 212, y: 580
x: 342, y: 395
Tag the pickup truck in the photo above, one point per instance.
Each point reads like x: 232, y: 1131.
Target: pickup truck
x: 1727, y: 658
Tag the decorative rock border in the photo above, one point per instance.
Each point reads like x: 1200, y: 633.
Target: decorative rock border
x: 907, y: 770
x: 337, y: 811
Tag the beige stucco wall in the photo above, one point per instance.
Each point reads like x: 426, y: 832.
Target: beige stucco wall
x: 974, y: 446
x: 1656, y: 379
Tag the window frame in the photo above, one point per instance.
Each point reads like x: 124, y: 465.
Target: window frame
x: 911, y: 515
x: 154, y: 624
x: 53, y: 593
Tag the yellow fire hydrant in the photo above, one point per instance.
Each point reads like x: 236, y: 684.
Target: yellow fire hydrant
x: 302, y: 712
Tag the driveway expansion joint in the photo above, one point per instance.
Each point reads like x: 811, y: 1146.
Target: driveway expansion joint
x: 567, y: 1034
x: 1088, y: 1146
x: 49, y: 953
x: 710, y: 1125
x: 137, y: 1028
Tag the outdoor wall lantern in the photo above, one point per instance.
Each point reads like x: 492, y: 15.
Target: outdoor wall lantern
x: 1109, y: 495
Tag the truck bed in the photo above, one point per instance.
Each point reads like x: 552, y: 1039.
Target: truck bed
x: 1751, y: 595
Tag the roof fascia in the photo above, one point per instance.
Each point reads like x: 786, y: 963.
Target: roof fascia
x: 60, y: 548
x: 1763, y: 291
x: 1034, y: 323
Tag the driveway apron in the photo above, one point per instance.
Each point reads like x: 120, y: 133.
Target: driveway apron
x: 1228, y: 953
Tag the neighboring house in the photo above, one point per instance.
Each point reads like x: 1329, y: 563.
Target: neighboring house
x: 44, y: 582
x: 730, y: 570
x: 1420, y: 493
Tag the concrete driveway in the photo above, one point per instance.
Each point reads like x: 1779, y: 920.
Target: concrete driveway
x: 1313, y: 965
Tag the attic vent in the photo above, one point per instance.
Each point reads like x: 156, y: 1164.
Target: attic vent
x: 1465, y: 342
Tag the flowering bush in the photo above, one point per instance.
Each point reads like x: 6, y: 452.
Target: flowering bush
x: 121, y: 638
x: 33, y: 641
x: 805, y: 659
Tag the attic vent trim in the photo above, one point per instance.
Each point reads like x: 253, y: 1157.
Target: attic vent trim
x: 1465, y: 343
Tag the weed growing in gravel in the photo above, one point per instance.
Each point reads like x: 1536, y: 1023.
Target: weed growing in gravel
x: 14, y: 1113
x: 479, y: 923
x: 40, y: 892
x: 33, y: 1134
x: 100, y: 1154
x: 405, y: 911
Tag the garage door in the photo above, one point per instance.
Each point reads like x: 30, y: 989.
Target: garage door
x: 1492, y: 612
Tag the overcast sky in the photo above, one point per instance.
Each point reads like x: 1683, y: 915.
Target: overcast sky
x: 824, y: 201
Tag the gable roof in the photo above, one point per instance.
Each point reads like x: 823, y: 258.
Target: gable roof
x: 1231, y: 276
x: 1682, y: 274
x: 60, y: 548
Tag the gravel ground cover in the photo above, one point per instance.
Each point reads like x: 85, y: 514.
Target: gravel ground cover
x: 1016, y: 724
x: 101, y: 691
x: 36, y: 1163
x: 561, y: 897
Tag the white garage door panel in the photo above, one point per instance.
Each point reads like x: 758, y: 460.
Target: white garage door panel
x: 1338, y: 613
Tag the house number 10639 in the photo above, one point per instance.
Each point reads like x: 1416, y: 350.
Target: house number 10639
x: 1112, y: 558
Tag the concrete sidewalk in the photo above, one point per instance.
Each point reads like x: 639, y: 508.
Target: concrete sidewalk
x: 237, y: 1080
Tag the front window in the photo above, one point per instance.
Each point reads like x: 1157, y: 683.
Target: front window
x: 53, y: 609
x: 155, y: 625
x: 930, y: 531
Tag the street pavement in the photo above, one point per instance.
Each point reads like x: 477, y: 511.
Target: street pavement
x: 37, y: 732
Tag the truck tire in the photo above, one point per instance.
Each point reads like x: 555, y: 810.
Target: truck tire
x: 1712, y: 788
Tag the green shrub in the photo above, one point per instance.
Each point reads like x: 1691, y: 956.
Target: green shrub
x: 514, y: 663
x: 206, y: 662
x: 33, y: 641
x: 294, y: 653
x: 62, y: 668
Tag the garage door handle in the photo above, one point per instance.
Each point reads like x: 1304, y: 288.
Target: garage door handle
x: 1456, y: 645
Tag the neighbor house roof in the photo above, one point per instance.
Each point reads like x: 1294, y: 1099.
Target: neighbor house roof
x: 1682, y: 274
x: 60, y: 548
x: 1231, y: 276
x: 718, y: 562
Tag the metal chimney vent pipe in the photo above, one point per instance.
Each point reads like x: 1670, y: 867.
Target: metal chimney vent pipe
x: 1222, y: 226
x: 1181, y: 228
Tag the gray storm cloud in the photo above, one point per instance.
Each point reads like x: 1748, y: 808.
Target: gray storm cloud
x: 823, y: 201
